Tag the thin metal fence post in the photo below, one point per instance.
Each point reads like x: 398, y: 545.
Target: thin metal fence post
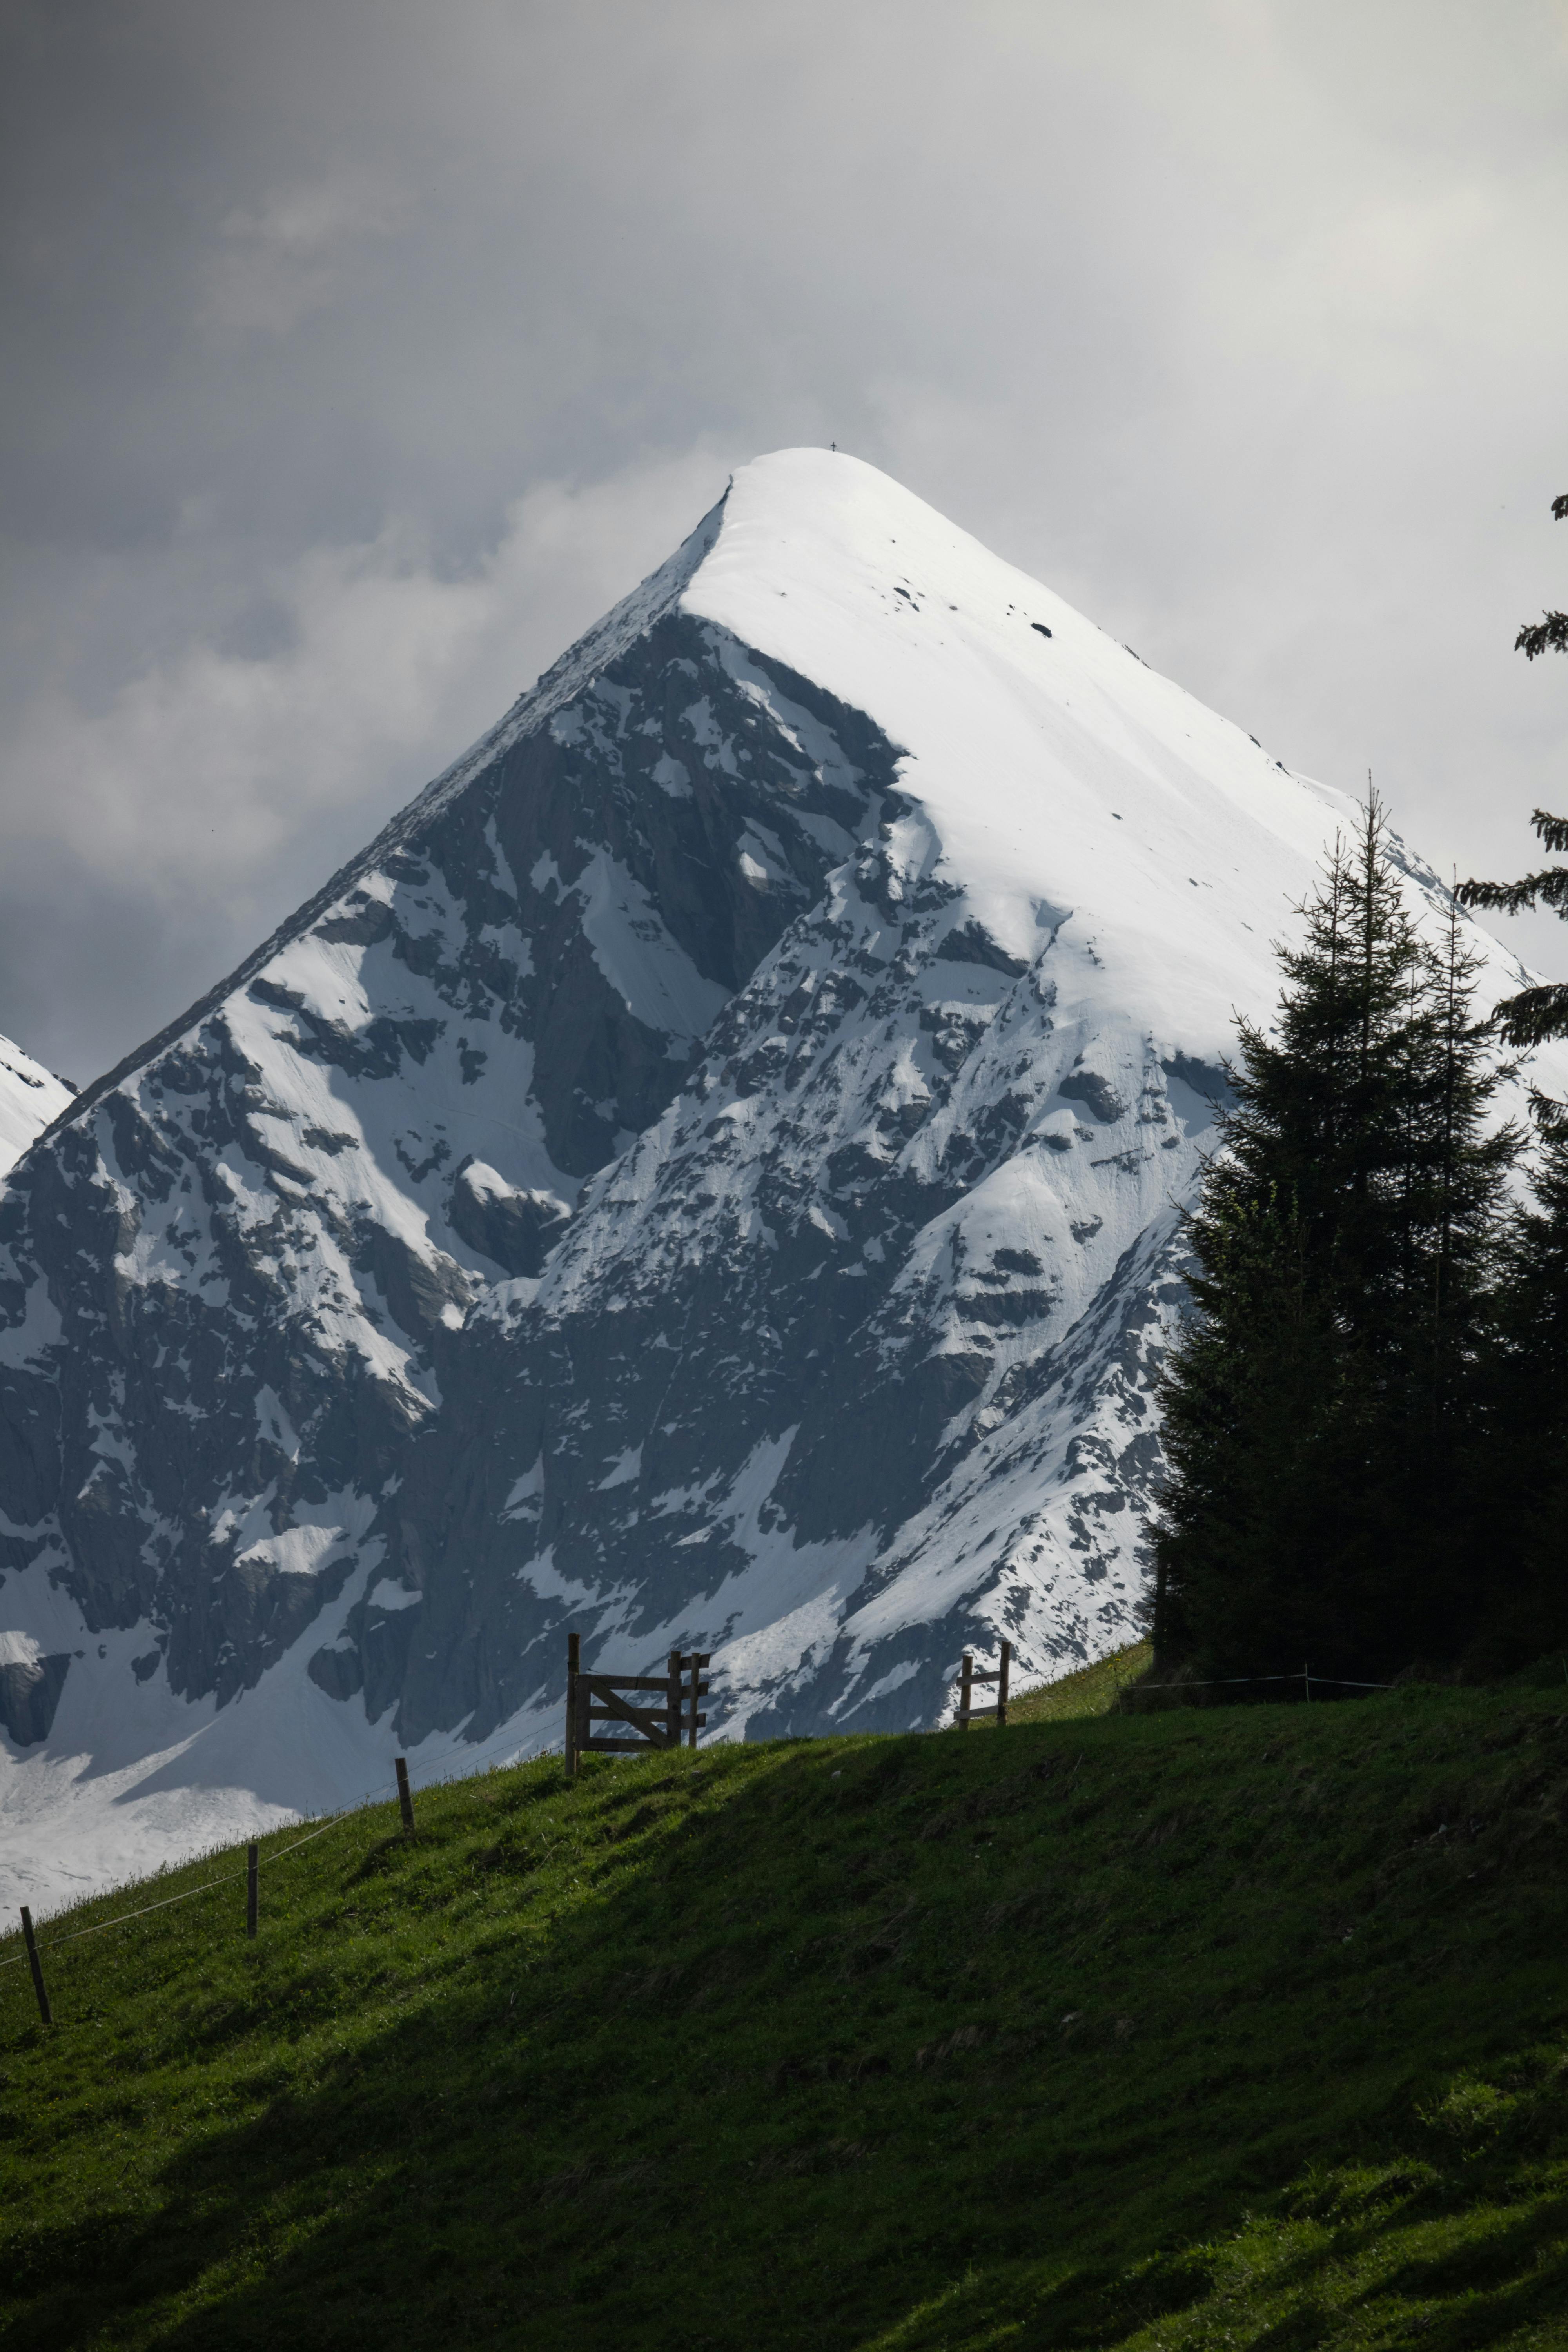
x: 405, y: 1796
x: 574, y: 1652
x: 45, y: 2012
x: 252, y: 1870
x: 1307, y: 1683
x: 1002, y: 1686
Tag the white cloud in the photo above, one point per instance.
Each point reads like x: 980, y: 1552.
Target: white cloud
x: 1233, y: 320
x: 211, y: 763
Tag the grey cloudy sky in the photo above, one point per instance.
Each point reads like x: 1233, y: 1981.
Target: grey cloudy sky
x: 357, y: 353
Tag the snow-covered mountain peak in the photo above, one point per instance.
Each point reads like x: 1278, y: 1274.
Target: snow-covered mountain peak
x: 1054, y: 767
x: 708, y: 1173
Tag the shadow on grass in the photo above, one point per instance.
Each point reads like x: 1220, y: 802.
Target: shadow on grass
x: 771, y: 2071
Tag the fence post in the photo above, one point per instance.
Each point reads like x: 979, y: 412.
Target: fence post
x: 1002, y: 1686
x: 45, y: 2012
x: 672, y: 1736
x: 405, y: 1796
x: 583, y: 1732
x: 696, y: 1698
x: 966, y: 1691
x: 252, y: 1868
x: 1307, y: 1683
x: 573, y: 1653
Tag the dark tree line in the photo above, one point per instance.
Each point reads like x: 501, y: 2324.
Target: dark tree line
x: 1366, y: 1417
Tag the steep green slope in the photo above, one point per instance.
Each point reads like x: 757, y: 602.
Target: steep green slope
x: 1244, y: 2028
x: 1092, y: 1690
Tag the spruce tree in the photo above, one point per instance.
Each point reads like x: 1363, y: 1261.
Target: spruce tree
x: 1341, y: 1244
x: 1517, y: 1460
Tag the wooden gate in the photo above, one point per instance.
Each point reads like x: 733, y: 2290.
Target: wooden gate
x: 596, y: 1698
x: 968, y: 1712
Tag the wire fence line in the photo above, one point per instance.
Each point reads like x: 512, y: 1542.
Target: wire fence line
x: 125, y: 1918
x: 347, y: 1812
x: 1233, y: 1682
x: 433, y: 1777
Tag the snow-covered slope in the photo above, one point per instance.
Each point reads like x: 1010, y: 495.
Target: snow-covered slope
x: 708, y: 1173
x: 30, y: 1096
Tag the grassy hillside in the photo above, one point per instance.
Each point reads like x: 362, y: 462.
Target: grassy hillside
x: 1243, y: 2027
x: 1092, y: 1690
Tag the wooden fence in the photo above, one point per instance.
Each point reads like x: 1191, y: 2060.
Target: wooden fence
x: 968, y: 1712
x: 597, y: 1698
x: 675, y: 1716
x: 591, y: 1698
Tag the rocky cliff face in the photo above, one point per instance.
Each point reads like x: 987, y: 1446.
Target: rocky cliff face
x: 708, y: 1173
x: 851, y: 1345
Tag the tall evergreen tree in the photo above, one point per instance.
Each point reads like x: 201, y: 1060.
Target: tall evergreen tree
x: 1517, y: 1459
x: 1340, y: 1243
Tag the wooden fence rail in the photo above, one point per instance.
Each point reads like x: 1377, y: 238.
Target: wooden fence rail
x: 598, y: 1699
x: 968, y: 1712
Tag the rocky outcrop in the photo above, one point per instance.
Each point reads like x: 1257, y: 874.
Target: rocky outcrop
x: 30, y: 1688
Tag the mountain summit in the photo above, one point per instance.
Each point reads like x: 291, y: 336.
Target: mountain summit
x: 709, y: 1174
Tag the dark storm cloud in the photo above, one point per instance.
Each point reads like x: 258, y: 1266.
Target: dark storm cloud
x: 356, y: 355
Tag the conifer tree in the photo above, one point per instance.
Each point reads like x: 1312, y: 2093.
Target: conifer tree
x: 1340, y: 1247
x: 1517, y: 1460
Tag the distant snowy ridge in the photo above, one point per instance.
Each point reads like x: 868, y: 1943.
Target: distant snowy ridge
x: 30, y: 1098
x: 709, y: 1173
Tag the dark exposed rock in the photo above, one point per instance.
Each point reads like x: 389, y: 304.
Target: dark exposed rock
x: 29, y: 1692
x: 1089, y: 1086
x: 512, y: 1228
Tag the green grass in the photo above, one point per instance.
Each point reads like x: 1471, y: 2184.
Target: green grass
x: 1092, y: 1690
x: 1242, y: 2028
